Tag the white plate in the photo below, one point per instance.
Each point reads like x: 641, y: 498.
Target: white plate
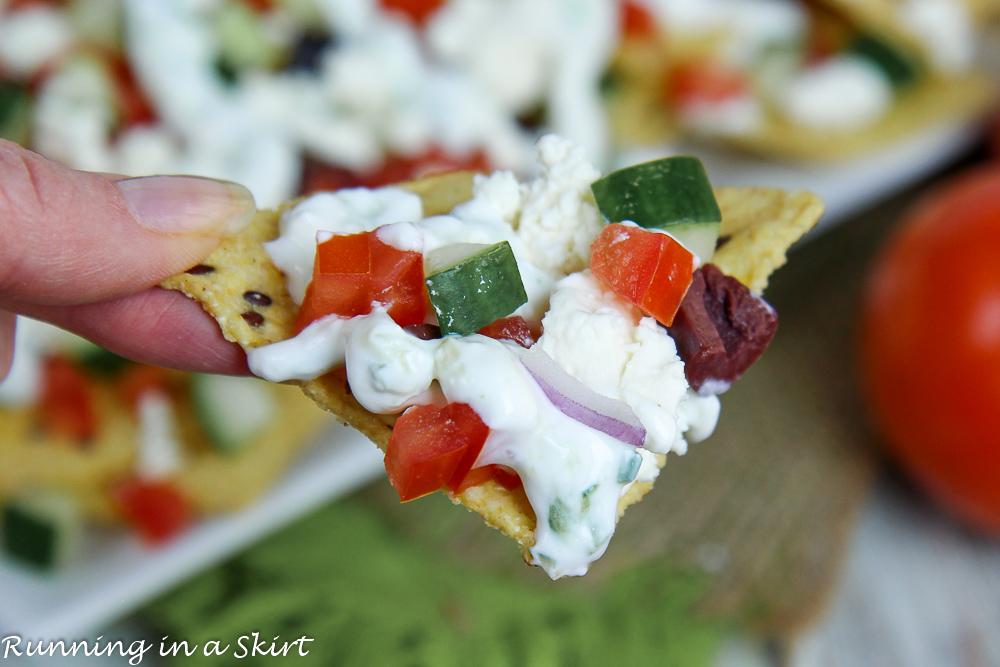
x: 117, y: 573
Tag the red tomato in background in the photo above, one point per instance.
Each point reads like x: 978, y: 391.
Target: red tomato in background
x: 931, y: 345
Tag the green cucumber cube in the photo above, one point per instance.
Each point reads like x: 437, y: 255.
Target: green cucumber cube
x: 672, y: 194
x: 901, y: 68
x: 15, y: 112
x: 232, y: 410
x: 42, y: 529
x: 473, y: 285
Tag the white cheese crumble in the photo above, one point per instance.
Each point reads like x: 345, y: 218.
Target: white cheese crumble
x: 31, y: 38
x: 945, y: 28
x: 160, y: 454
x: 843, y: 93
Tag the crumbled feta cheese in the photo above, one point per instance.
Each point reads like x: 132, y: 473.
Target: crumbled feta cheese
x: 558, y: 219
x: 160, y: 453
x: 843, y: 93
x: 606, y: 344
x: 945, y: 27
x: 31, y: 38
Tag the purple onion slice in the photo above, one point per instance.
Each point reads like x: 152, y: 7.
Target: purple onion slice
x: 578, y: 401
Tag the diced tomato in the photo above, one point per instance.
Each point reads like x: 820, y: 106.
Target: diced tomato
x: 353, y: 271
x: 829, y: 33
x: 156, y: 509
x: 67, y: 404
x: 139, y: 379
x: 513, y: 328
x: 260, y: 5
x: 134, y: 108
x: 637, y: 21
x: 432, y: 447
x: 648, y: 269
x: 502, y: 475
x: 418, y: 11
x: 705, y: 81
x: 320, y: 177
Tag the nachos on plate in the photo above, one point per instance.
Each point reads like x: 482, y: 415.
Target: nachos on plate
x: 533, y: 349
x: 86, y: 435
x: 811, y: 81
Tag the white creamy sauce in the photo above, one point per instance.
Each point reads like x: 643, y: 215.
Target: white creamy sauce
x: 159, y: 453
x: 945, y: 29
x: 729, y: 117
x: 843, y: 93
x: 31, y: 38
x: 528, y: 53
x: 573, y: 474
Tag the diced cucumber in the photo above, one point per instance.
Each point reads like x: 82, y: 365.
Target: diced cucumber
x: 232, y: 410
x: 100, y: 360
x: 473, y: 285
x: 901, y: 68
x: 15, y: 113
x: 672, y: 194
x: 41, y: 529
x: 243, y: 39
x: 628, y: 469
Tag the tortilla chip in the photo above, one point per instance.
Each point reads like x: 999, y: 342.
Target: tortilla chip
x: 760, y: 226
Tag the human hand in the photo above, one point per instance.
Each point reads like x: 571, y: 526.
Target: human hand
x: 85, y: 252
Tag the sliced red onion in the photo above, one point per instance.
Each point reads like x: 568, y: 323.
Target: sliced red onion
x: 578, y: 401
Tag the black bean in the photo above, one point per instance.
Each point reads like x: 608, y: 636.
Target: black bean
x: 307, y: 54
x: 257, y: 299
x: 252, y: 318
x: 200, y: 269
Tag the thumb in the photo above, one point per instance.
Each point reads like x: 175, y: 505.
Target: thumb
x: 72, y: 237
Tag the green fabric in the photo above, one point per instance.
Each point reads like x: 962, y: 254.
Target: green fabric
x: 371, y: 593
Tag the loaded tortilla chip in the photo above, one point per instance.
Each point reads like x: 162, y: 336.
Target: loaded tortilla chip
x: 513, y: 344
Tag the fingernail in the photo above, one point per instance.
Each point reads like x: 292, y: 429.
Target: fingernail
x: 188, y: 204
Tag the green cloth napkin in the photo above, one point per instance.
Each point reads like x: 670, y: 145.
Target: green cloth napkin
x: 370, y: 593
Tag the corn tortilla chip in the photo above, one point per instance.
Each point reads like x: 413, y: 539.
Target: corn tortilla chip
x: 760, y: 226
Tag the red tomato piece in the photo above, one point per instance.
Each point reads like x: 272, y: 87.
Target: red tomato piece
x: 319, y: 177
x: 140, y: 378
x: 705, y: 81
x: 637, y: 22
x: 432, y: 447
x: 353, y: 271
x: 931, y: 345
x: 513, y: 328
x: 134, y: 108
x: 67, y: 404
x: 156, y: 509
x: 502, y: 475
x: 322, y: 177
x: 418, y: 11
x: 260, y: 5
x: 648, y: 269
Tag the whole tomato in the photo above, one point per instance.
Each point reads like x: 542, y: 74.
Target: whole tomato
x: 931, y: 345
